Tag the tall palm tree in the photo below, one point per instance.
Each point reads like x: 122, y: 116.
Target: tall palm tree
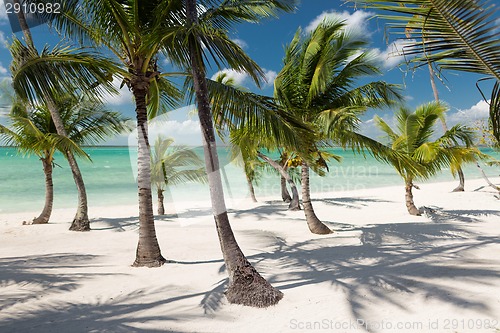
x: 246, y: 285
x: 173, y: 165
x: 319, y: 78
x: 432, y: 78
x: 33, y: 132
x: 44, y: 76
x: 129, y: 31
x: 413, y: 138
x: 458, y: 35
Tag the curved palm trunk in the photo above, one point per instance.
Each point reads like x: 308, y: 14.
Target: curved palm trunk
x: 284, y: 191
x: 246, y: 286
x: 161, y: 207
x: 314, y: 224
x: 461, y: 185
x: 44, y: 216
x: 250, y: 188
x: 294, y: 204
x: 148, y: 250
x: 81, y: 220
x: 410, y: 205
x: 487, y: 179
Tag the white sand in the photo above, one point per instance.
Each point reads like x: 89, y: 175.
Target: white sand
x: 382, y: 268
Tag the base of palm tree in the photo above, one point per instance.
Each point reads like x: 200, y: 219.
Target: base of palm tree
x: 459, y: 188
x: 80, y: 224
x: 148, y: 262
x: 250, y: 289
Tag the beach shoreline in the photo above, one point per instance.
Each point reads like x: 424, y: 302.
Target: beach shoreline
x: 381, y: 267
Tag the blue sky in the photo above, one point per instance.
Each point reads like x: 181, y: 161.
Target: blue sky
x: 265, y: 43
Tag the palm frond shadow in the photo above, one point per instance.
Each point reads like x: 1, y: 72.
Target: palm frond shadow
x: 438, y: 214
x: 388, y: 260
x: 30, y: 277
x: 212, y: 301
x: 265, y: 212
x: 350, y: 202
x: 116, y: 224
x: 122, y: 313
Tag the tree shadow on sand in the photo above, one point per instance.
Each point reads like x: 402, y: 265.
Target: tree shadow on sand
x: 385, y: 260
x: 350, y: 202
x: 122, y: 313
x: 29, y: 301
x: 26, y: 278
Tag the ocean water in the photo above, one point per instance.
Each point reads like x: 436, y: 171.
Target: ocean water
x: 110, y: 178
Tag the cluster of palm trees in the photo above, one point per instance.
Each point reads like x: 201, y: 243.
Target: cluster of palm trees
x: 316, y: 104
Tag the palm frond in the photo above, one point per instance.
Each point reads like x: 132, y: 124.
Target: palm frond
x: 458, y: 34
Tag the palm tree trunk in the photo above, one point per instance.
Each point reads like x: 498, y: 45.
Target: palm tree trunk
x: 461, y: 185
x: 148, y: 252
x: 44, y: 216
x: 81, y: 220
x: 410, y: 205
x: 246, y: 286
x: 284, y: 191
x: 488, y: 181
x: 314, y: 224
x: 161, y: 207
x: 250, y: 188
x: 432, y: 73
x: 294, y: 204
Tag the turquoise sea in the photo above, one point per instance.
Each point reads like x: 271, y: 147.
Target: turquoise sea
x: 110, y: 178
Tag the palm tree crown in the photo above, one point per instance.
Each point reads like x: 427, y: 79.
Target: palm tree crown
x: 414, y: 138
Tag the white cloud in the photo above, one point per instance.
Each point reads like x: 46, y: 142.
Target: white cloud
x: 497, y: 25
x: 270, y: 77
x: 356, y: 22
x: 477, y: 112
x: 3, y: 70
x: 370, y: 129
x: 237, y: 77
x: 394, y: 54
x: 3, y: 11
x: 241, y: 43
x: 3, y: 41
x: 123, y: 97
x: 183, y: 131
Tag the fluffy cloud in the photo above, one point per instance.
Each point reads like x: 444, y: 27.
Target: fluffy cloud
x: 184, y: 131
x: 3, y: 70
x: 3, y: 41
x: 123, y: 97
x: 3, y: 11
x: 394, y: 54
x: 477, y: 112
x: 356, y: 22
x: 270, y: 77
x: 237, y: 77
x: 241, y: 43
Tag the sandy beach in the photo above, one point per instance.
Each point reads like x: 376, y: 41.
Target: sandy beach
x: 381, y: 271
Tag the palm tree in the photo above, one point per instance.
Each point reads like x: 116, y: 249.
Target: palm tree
x: 432, y: 77
x: 173, y: 165
x: 413, y: 138
x: 44, y: 76
x: 318, y: 80
x: 130, y: 31
x: 33, y: 132
x: 246, y: 285
x: 455, y: 34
